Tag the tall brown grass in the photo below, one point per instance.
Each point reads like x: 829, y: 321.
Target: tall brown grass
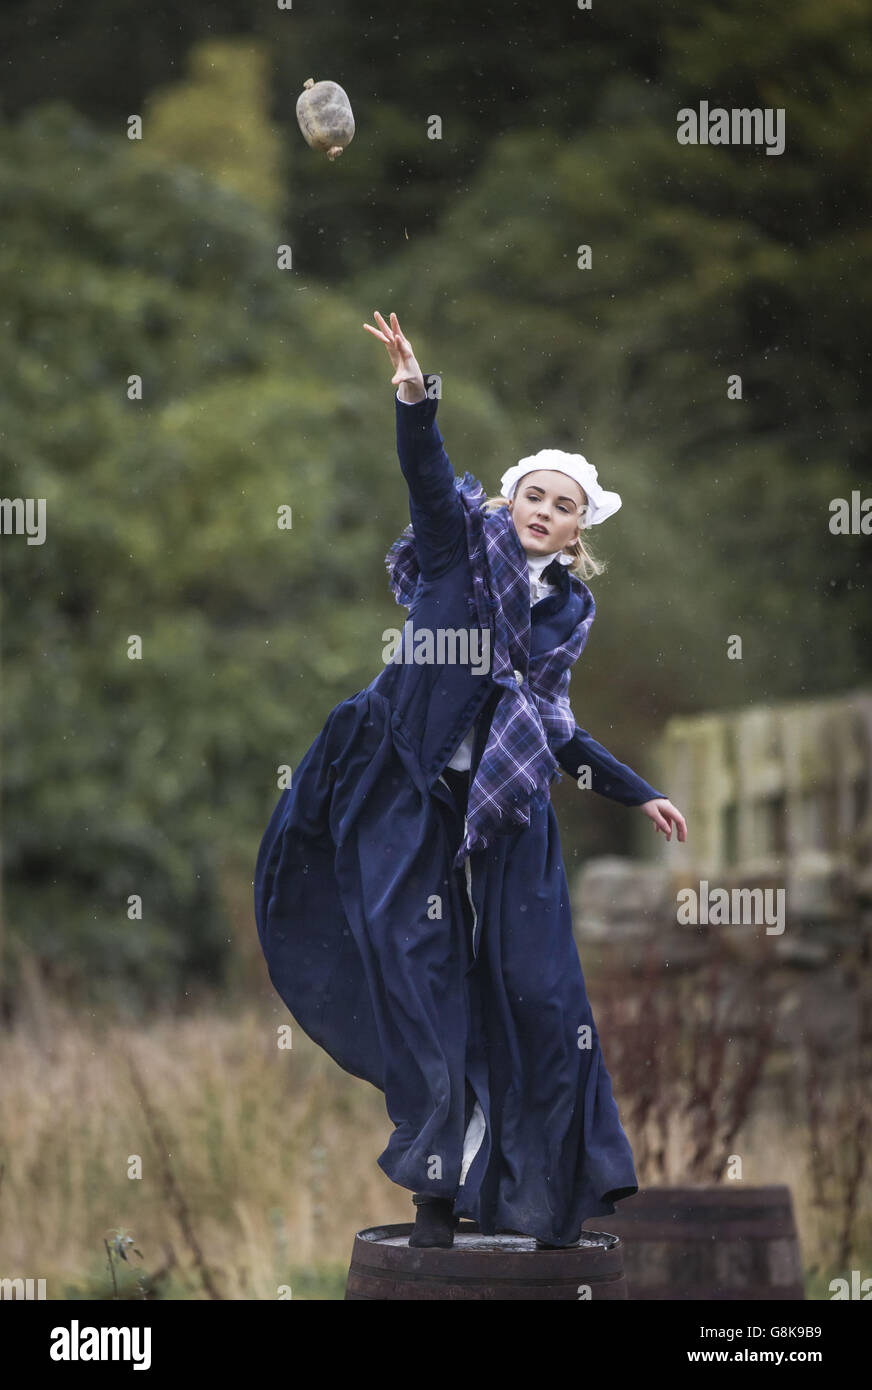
x: 259, y: 1164
x: 741, y: 1063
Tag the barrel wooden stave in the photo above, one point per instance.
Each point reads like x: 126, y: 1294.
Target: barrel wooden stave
x: 505, y: 1268
x: 711, y: 1244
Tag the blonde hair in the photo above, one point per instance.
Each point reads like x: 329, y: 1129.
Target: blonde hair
x: 584, y: 563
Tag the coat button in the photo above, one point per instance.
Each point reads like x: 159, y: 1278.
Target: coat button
x: 518, y: 677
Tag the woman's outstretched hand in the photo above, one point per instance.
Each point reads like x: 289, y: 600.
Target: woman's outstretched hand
x: 663, y: 813
x: 399, y: 348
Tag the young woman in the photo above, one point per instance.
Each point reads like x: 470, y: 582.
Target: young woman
x: 410, y: 893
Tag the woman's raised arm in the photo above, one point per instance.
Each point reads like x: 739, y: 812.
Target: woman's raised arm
x: 435, y: 509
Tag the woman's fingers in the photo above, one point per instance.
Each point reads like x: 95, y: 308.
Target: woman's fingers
x: 383, y: 333
x: 404, y: 346
x: 664, y: 817
x: 675, y: 815
x: 400, y: 338
x: 382, y: 325
x: 394, y: 332
x: 376, y: 334
x: 399, y: 348
x: 386, y: 336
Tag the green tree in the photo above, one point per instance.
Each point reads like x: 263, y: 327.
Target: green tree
x: 216, y: 122
x: 155, y: 777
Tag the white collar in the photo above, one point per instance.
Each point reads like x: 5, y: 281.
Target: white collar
x: 537, y: 563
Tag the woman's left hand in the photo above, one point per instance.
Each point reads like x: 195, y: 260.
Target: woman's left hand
x: 663, y: 813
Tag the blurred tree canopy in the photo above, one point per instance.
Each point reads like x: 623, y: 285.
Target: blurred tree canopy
x: 156, y: 776
x: 261, y: 391
x: 216, y: 122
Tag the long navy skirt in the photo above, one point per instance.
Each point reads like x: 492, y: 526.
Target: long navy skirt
x: 459, y: 993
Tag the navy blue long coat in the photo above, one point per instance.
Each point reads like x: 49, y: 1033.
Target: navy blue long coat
x: 459, y: 994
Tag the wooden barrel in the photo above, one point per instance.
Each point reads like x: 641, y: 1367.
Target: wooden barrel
x: 714, y: 1243
x: 384, y: 1265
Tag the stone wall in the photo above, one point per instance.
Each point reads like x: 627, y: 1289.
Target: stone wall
x: 775, y: 797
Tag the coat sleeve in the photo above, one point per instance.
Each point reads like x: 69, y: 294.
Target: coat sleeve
x: 435, y: 509
x: 608, y: 777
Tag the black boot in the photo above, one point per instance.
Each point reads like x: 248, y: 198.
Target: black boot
x: 435, y: 1221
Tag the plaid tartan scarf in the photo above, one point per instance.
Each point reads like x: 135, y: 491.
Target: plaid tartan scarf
x: 531, y: 719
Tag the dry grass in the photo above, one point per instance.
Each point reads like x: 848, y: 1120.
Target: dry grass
x: 742, y: 1068
x: 258, y: 1164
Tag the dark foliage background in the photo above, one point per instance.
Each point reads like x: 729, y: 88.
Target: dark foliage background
x: 261, y: 390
